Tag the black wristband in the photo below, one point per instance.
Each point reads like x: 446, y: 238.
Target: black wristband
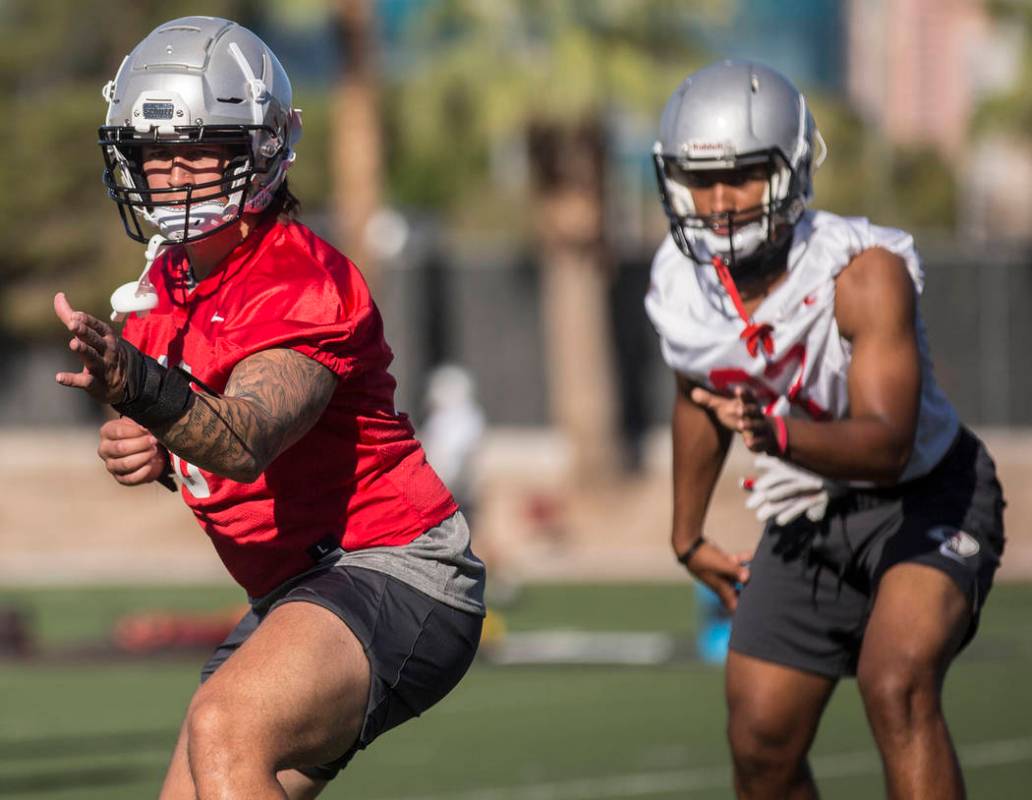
x: 686, y: 556
x: 154, y: 395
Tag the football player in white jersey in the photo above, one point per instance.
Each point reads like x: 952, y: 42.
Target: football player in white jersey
x: 798, y: 331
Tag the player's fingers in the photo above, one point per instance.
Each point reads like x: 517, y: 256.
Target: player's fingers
x: 789, y: 490
x: 793, y: 509
x: 63, y: 308
x: 816, y: 512
x: 127, y: 465
x: 99, y: 327
x: 770, y: 480
x: 90, y: 358
x: 745, y: 402
x: 704, y: 398
x: 144, y: 474
x: 746, y: 395
x: 84, y: 333
x: 726, y: 593
x: 77, y: 380
x: 758, y: 441
x: 744, y: 556
x: 119, y: 448
x: 755, y: 422
x: 766, y: 510
x: 122, y: 428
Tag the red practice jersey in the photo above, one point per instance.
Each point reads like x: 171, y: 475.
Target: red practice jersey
x: 359, y: 475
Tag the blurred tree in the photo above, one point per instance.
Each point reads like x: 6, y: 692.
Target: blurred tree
x: 56, y: 229
x: 864, y: 175
x: 996, y: 202
x: 355, y: 148
x: 1010, y: 112
x: 536, y: 81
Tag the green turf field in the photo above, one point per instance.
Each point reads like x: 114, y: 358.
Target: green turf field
x: 96, y: 729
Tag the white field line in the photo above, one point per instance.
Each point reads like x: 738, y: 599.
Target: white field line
x: 865, y: 762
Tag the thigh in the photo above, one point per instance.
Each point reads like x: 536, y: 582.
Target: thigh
x: 774, y: 704
x: 919, y: 621
x: 796, y: 610
x: 418, y: 648
x: 240, y: 634
x: 952, y: 524
x: 296, y: 688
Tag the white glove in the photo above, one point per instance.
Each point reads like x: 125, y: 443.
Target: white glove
x: 784, y: 491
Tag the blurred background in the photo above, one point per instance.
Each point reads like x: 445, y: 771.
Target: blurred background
x: 486, y: 163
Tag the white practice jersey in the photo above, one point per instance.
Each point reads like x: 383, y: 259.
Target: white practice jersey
x: 805, y: 376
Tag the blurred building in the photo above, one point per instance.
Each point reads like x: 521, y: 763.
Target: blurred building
x: 805, y: 39
x: 917, y: 71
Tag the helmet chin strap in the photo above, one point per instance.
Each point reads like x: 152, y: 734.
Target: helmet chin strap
x: 754, y: 335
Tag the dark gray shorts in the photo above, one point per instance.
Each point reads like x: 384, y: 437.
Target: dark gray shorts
x: 812, y: 586
x: 418, y: 647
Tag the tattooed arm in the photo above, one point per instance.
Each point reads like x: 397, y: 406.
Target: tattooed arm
x: 272, y: 399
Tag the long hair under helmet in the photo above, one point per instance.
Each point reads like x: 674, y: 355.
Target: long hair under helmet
x: 198, y: 81
x: 735, y: 115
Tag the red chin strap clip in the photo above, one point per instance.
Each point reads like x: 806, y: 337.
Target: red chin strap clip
x: 754, y: 335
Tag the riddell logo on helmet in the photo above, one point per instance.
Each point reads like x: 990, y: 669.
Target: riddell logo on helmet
x: 697, y: 149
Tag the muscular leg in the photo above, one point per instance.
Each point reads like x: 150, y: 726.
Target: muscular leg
x: 919, y: 620
x: 293, y: 695
x: 179, y: 783
x: 773, y: 716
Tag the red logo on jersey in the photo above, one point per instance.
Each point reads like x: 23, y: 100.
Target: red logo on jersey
x: 724, y: 380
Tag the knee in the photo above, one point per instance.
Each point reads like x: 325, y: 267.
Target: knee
x: 761, y: 746
x: 899, y: 696
x: 211, y: 728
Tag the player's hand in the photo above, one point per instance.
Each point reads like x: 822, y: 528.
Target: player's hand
x: 722, y: 572
x: 103, y: 374
x: 740, y: 412
x: 130, y: 453
x: 785, y: 492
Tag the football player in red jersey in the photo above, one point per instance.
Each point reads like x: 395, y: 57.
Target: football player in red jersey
x: 252, y: 370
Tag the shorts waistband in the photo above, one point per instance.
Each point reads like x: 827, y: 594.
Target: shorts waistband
x: 862, y: 499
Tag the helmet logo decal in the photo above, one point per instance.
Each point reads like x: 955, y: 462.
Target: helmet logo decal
x: 704, y: 149
x: 158, y: 110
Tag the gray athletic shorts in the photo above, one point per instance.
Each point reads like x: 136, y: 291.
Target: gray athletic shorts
x: 812, y: 586
x: 419, y: 645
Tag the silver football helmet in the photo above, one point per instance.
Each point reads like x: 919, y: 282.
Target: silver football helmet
x: 734, y: 115
x: 198, y: 81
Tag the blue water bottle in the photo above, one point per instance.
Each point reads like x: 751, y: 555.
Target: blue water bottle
x: 714, y: 626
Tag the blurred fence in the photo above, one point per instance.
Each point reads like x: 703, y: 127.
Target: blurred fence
x: 480, y: 308
x: 478, y: 305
